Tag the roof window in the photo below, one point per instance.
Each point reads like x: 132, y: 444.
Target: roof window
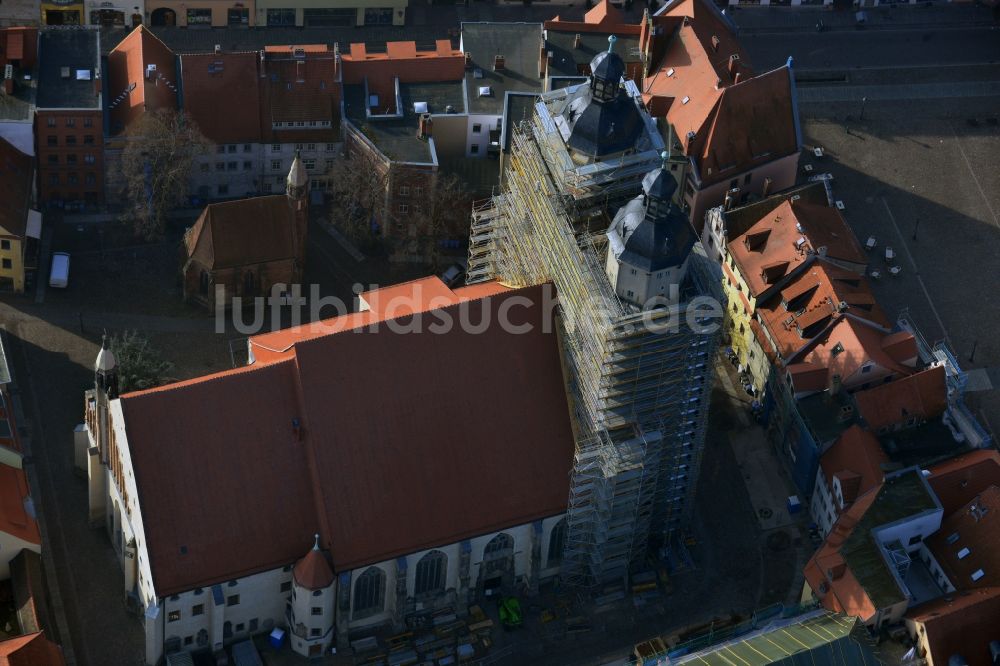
x: 485, y: 91
x: 952, y: 538
x: 685, y: 100
x: 977, y: 574
x: 964, y: 553
x: 420, y: 107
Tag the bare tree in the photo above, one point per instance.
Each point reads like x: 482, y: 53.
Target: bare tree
x: 358, y: 190
x: 140, y: 365
x: 156, y: 168
x: 444, y: 216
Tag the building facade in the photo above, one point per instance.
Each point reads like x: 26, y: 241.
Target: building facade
x: 202, y: 13
x: 320, y: 14
x: 69, y: 119
x: 20, y: 223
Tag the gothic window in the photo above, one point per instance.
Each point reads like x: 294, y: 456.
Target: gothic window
x: 369, y: 593
x: 499, y: 546
x: 430, y: 573
x: 557, y: 543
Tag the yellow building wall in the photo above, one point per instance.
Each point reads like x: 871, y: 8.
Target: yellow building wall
x: 398, y: 8
x: 740, y: 309
x: 15, y: 257
x: 220, y: 10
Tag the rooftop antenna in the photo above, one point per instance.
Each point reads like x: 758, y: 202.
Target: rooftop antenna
x: 611, y: 43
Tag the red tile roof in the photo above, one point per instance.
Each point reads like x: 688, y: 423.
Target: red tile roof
x: 128, y: 64
x: 847, y: 345
x: 387, y: 414
x: 738, y: 120
x: 242, y: 232
x: 790, y: 236
x: 961, y: 623
x: 858, y: 451
x: 958, y: 480
x: 17, y: 172
x: 817, y: 293
x: 300, y: 89
x: 922, y: 395
x: 222, y: 95
x: 974, y: 532
x: 14, y: 517
x: 840, y: 591
x: 30, y: 650
x: 313, y: 572
x: 604, y: 13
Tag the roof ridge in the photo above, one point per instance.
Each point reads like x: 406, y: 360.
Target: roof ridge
x: 219, y: 375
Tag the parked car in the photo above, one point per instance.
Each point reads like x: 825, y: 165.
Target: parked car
x: 59, y: 274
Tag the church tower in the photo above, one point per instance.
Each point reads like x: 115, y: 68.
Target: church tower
x: 105, y: 390
x: 648, y: 244
x: 297, y: 191
x: 313, y: 595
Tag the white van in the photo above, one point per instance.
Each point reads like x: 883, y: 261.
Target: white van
x: 59, y: 275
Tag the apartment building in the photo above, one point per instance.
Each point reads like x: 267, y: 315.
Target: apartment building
x: 69, y: 118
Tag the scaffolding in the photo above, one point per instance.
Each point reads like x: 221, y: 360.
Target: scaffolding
x: 638, y: 380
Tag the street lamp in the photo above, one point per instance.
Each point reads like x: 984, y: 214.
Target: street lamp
x: 863, y: 100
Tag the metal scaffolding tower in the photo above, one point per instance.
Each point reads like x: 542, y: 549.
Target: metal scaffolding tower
x: 638, y: 381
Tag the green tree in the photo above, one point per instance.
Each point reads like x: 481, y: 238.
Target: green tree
x: 156, y: 168
x: 140, y: 365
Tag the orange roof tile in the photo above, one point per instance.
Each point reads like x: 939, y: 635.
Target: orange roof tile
x: 958, y: 480
x: 847, y: 345
x: 14, y: 517
x: 961, y: 623
x: 858, y: 451
x: 901, y: 347
x: 922, y: 395
x: 129, y: 63
x: 604, y: 13
x: 842, y: 594
x: 300, y: 90
x: 968, y: 543
x: 384, y: 412
x: 242, y: 232
x: 30, y: 650
x: 313, y: 572
x: 808, y: 376
x: 222, y: 95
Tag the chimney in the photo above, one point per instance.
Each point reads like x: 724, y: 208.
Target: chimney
x: 715, y: 42
x: 576, y: 41
x: 727, y: 203
x: 300, y: 71
x: 218, y: 49
x: 468, y: 60
x: 426, y: 127
x: 498, y: 63
x: 835, y: 384
x: 738, y: 77
x: 543, y: 62
x: 734, y: 65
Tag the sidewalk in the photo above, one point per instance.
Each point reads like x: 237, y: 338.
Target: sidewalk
x: 755, y: 19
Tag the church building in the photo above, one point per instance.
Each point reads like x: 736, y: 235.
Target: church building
x: 357, y: 471
x: 244, y: 247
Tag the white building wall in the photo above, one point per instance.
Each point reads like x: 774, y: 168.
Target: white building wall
x: 259, y: 168
x: 922, y: 526
x: 481, y: 138
x: 822, y: 507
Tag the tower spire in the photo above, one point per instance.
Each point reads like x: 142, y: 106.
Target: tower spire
x: 611, y: 43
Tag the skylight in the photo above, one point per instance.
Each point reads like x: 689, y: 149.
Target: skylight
x: 952, y: 538
x: 485, y: 91
x: 977, y: 574
x: 420, y: 107
x: 962, y: 554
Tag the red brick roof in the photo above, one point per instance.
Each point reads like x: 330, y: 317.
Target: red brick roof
x: 604, y: 13
x: 128, y: 64
x: 922, y: 395
x: 242, y: 232
x: 974, y: 528
x: 222, y: 95
x: 300, y: 89
x: 313, y: 572
x: 16, y: 179
x: 14, y: 517
x: 841, y: 592
x: 958, y: 480
x: 858, y: 451
x: 30, y: 650
x: 346, y: 431
x: 961, y: 623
